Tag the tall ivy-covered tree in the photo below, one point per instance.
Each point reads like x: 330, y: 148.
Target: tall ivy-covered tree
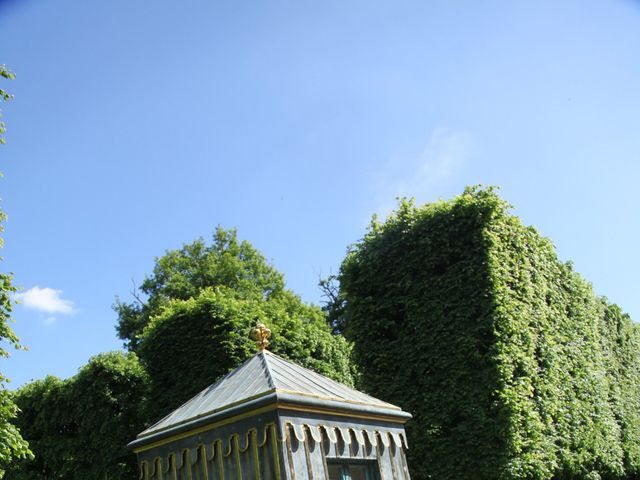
x: 511, y: 366
x: 12, y: 445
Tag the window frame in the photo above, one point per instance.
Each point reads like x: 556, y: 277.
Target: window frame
x: 372, y: 471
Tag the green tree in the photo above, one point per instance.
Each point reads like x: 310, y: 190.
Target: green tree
x: 12, y: 445
x: 79, y: 428
x: 182, y: 274
x: 46, y: 420
x: 196, y: 341
x: 333, y: 303
x: 510, y: 364
x: 203, y: 302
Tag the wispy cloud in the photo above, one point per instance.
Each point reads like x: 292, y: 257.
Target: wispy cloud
x: 46, y: 300
x: 443, y: 156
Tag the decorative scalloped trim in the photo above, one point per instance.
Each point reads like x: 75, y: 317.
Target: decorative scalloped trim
x: 374, y: 437
x: 348, y: 435
x: 247, y: 440
x: 315, y: 433
x: 229, y: 443
x: 148, y: 469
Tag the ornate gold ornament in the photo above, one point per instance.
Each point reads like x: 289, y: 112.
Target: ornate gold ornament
x: 260, y: 335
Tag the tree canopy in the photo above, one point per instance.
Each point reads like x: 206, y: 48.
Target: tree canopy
x: 181, y: 274
x: 203, y: 300
x: 79, y: 428
x: 189, y: 325
x: 194, y: 342
x: 511, y: 365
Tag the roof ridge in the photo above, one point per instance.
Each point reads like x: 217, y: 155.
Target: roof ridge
x: 316, y: 381
x: 198, y: 395
x: 257, y: 377
x: 267, y: 369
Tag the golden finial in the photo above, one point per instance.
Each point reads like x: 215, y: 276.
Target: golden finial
x: 260, y: 334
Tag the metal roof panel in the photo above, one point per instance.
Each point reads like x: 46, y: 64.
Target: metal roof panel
x: 260, y: 375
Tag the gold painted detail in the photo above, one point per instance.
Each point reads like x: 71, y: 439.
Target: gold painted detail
x: 205, y: 414
x: 282, y: 404
x: 274, y: 447
x: 331, y: 411
x: 239, y: 453
x: 267, y: 408
x: 220, y: 463
x: 387, y: 406
x: 256, y: 455
x: 203, y: 462
x: 198, y: 468
x: 238, y: 463
x: 348, y: 435
x: 205, y: 428
x: 260, y: 335
x: 292, y: 468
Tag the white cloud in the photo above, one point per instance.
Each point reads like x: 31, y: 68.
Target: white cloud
x: 46, y: 300
x: 443, y: 156
x: 49, y: 321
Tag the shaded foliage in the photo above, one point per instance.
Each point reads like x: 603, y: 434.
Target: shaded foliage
x: 198, y: 321
x: 511, y: 365
x: 79, y: 428
x: 334, y: 303
x: 196, y: 341
x: 191, y: 327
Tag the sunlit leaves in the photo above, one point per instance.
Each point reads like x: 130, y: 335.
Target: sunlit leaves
x: 191, y: 323
x: 511, y: 365
x: 79, y: 428
x: 4, y: 96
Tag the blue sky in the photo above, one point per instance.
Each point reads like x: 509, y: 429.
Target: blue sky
x: 138, y: 126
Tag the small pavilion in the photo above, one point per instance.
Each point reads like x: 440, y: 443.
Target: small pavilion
x: 270, y: 419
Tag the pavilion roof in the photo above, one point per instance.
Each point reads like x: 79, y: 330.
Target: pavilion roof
x: 268, y: 375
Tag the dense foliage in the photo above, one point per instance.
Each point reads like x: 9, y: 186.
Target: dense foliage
x: 79, y: 428
x: 203, y: 303
x: 511, y: 365
x: 182, y: 274
x: 12, y: 445
x: 191, y: 327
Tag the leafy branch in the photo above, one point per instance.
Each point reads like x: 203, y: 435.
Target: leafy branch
x: 5, y: 96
